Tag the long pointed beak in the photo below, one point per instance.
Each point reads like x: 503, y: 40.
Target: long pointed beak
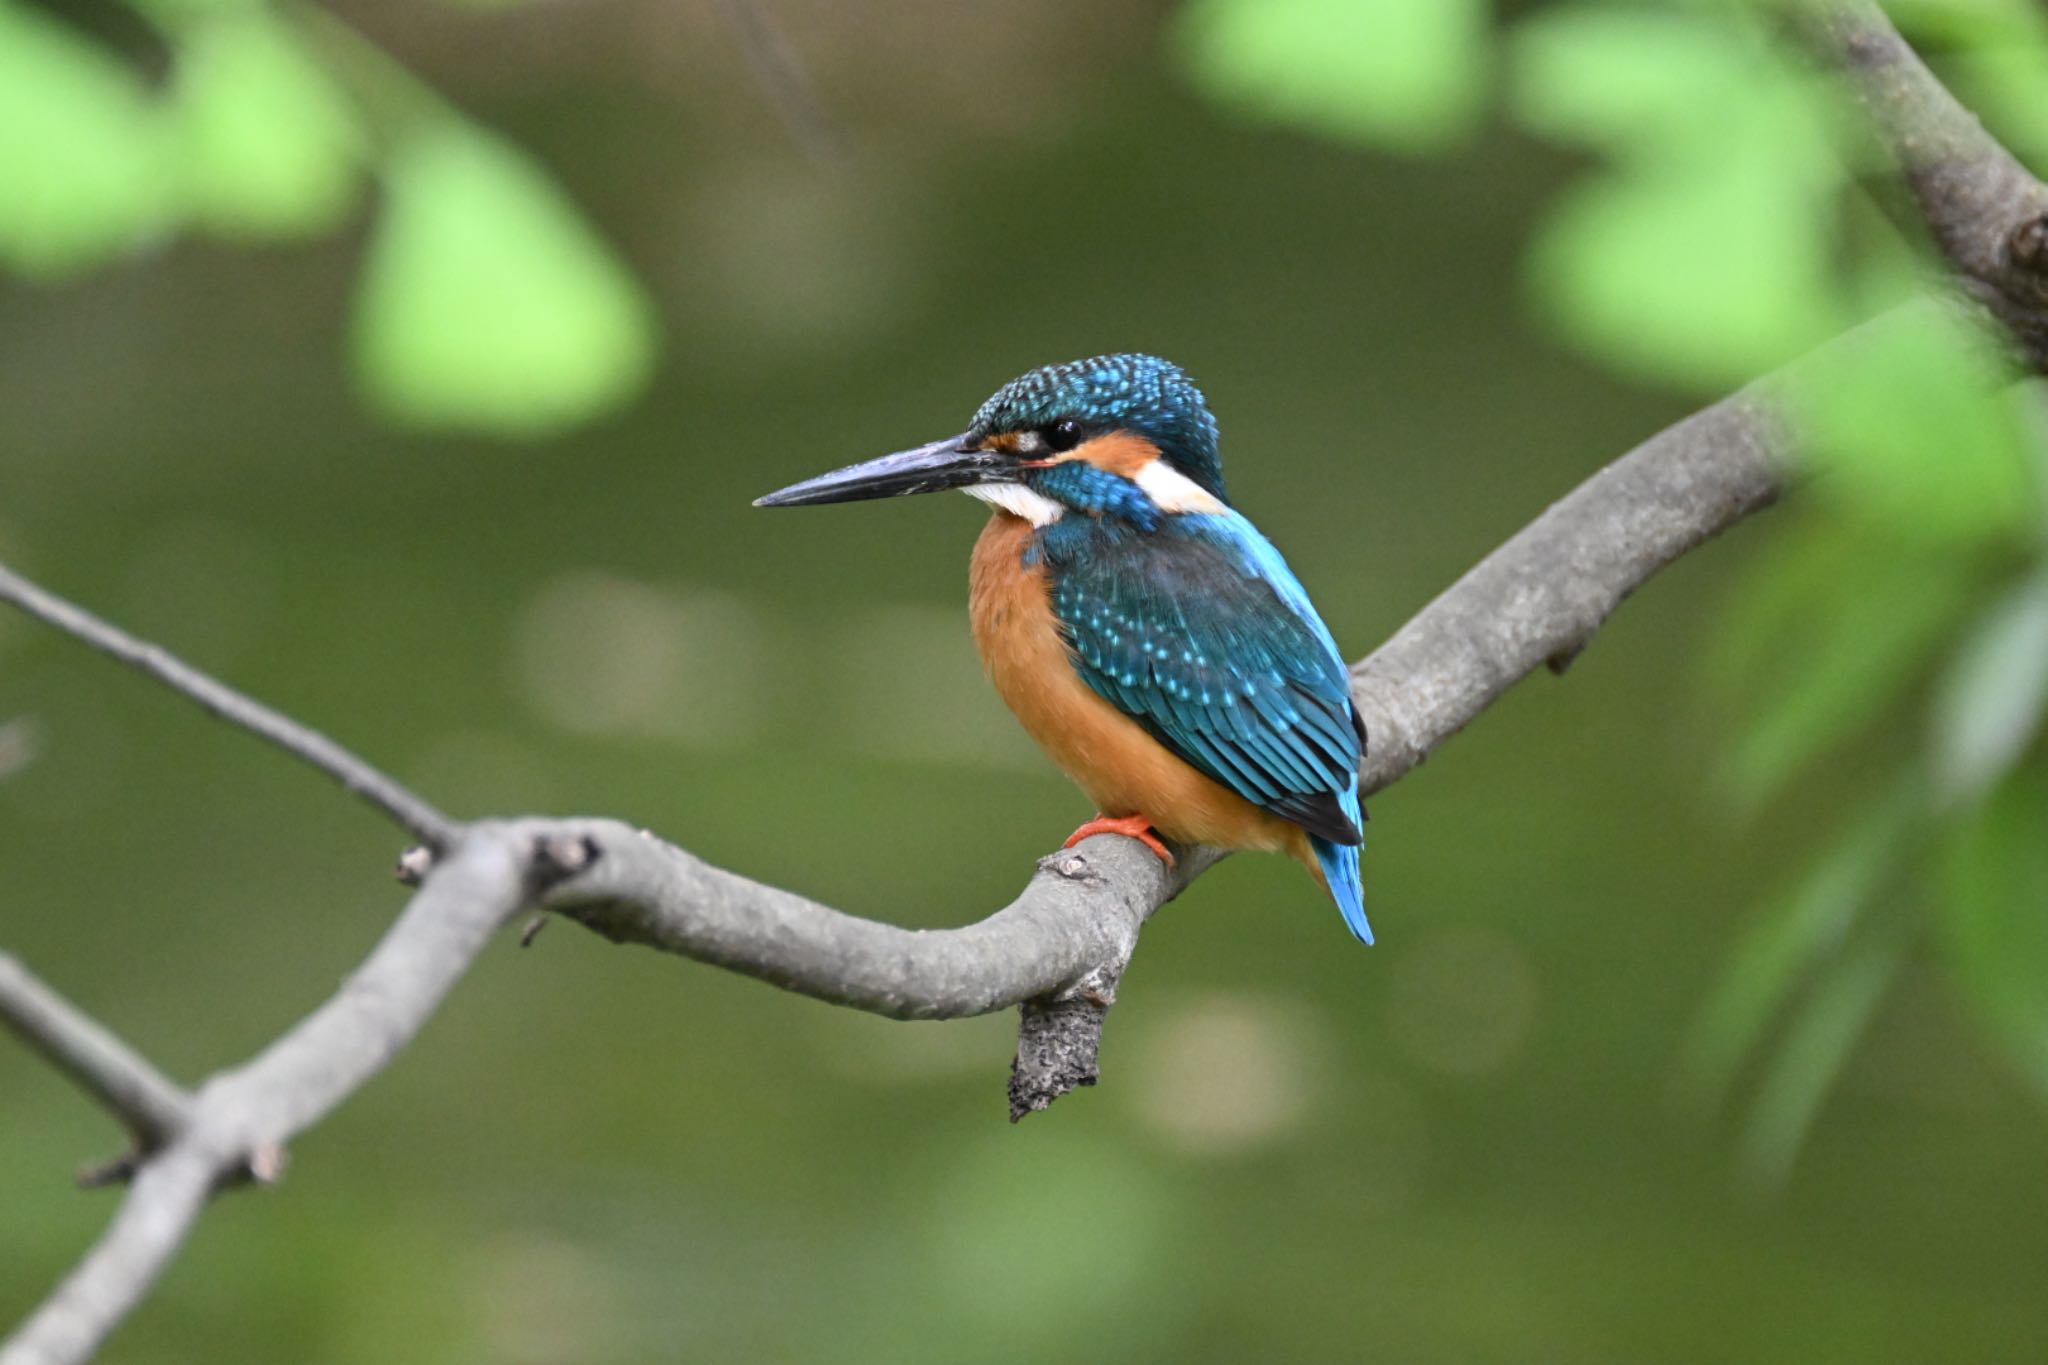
x: 951, y: 463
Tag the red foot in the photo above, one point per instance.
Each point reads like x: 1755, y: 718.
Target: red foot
x: 1132, y: 826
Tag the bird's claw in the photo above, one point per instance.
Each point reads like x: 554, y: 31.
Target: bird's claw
x: 1130, y: 826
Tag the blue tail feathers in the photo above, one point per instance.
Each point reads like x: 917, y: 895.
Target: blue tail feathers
x: 1340, y: 869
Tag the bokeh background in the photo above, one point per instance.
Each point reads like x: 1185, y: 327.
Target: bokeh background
x: 1479, y: 1140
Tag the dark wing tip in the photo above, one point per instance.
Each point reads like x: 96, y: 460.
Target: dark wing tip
x: 1321, y: 814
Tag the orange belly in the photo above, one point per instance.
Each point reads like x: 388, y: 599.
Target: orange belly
x: 1123, y: 769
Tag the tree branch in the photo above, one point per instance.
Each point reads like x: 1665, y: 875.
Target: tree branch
x: 1061, y: 948
x: 1538, y: 599
x: 1082, y: 908
x: 1984, y: 210
x: 241, y: 1119
x: 419, y: 818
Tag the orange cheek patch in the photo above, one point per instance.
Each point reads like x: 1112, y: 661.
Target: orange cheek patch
x: 1120, y: 452
x: 1002, y: 440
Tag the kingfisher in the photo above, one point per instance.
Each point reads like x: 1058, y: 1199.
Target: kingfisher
x: 1145, y: 633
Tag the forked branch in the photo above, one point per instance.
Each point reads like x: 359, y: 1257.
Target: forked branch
x: 1060, y: 949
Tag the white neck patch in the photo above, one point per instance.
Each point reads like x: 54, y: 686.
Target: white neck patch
x: 1173, y: 491
x: 1018, y: 501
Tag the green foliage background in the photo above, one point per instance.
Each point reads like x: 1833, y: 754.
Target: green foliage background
x: 1708, y: 1019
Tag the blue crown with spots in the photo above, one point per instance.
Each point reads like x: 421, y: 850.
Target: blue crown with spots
x: 1143, y: 394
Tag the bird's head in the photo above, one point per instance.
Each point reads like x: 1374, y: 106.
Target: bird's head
x: 1118, y: 435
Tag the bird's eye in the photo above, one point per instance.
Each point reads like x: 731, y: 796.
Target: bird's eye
x: 1064, y: 435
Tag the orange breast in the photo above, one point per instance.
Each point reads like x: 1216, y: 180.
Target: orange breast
x: 1110, y: 756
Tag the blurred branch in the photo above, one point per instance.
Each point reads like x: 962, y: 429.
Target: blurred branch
x: 781, y: 76
x: 102, y: 1065
x: 1984, y: 210
x: 425, y: 823
x: 19, y: 744
x: 1061, y: 948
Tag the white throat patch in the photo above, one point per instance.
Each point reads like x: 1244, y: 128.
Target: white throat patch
x: 1017, y: 500
x: 1173, y: 491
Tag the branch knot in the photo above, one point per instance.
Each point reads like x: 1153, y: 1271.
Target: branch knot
x: 555, y: 858
x: 2027, y: 248
x: 1072, y: 866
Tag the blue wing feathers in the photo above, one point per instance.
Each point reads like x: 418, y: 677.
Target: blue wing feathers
x: 1198, y: 630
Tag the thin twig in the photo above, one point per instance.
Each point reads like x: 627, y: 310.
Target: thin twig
x: 781, y: 76
x: 420, y: 818
x: 151, y: 1107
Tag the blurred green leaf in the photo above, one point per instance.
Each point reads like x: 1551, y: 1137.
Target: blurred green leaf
x: 82, y: 170
x: 1767, y: 608
x: 1705, y: 256
x: 487, y: 303
x: 1911, y: 428
x: 1997, y: 918
x: 1697, y: 275
x: 1405, y: 74
x: 1805, y: 925
x: 1990, y: 703
x: 1825, y: 634
x: 1817, y: 1043
x: 270, y: 147
x: 1630, y: 81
